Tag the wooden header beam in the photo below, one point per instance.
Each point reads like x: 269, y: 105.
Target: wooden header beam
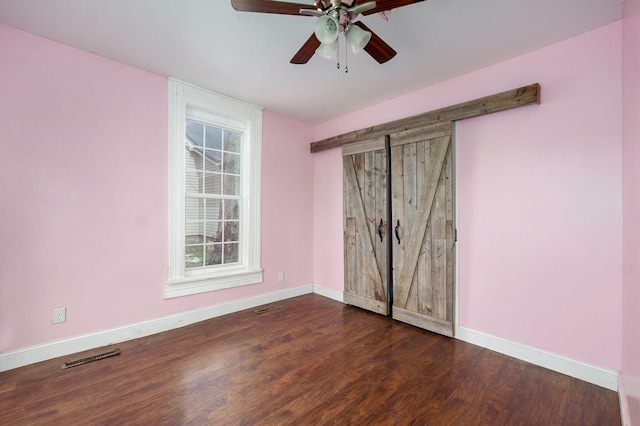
x: 510, y: 99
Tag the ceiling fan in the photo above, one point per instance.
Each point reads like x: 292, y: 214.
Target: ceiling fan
x: 334, y: 17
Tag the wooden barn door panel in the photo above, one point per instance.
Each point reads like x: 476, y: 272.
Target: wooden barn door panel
x: 365, y: 206
x: 422, y: 206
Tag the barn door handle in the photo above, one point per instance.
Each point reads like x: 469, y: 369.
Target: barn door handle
x: 380, y: 229
x: 398, y: 231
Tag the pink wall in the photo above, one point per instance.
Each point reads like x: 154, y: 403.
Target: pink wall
x: 83, y: 178
x: 539, y: 202
x: 83, y: 173
x: 328, y: 260
x: 631, y: 196
x: 287, y: 215
x: 540, y: 207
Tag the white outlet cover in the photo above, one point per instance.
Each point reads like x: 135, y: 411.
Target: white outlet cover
x: 59, y: 315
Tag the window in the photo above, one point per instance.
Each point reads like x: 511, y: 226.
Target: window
x: 214, y: 191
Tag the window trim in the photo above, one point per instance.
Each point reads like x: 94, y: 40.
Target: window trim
x: 247, y: 118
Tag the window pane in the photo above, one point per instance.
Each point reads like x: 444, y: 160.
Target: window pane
x: 213, y: 209
x: 232, y: 141
x: 231, y: 185
x: 195, y: 133
x: 214, y: 254
x: 193, y: 181
x: 213, y: 137
x: 211, y: 231
x: 213, y: 225
x: 213, y: 160
x: 194, y: 213
x: 194, y: 232
x: 231, y: 231
x: 231, y: 210
x: 195, y: 237
x: 231, y: 163
x: 231, y: 252
x: 214, y: 232
x: 212, y: 183
x: 193, y: 256
x: 193, y: 158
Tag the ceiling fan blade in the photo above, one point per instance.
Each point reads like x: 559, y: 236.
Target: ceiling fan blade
x: 384, y: 5
x: 306, y: 51
x: 361, y: 8
x: 377, y: 48
x: 270, y: 6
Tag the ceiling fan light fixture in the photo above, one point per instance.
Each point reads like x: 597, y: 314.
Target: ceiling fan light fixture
x: 327, y: 28
x: 328, y: 50
x: 357, y: 38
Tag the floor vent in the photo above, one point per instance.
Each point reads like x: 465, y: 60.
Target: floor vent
x: 268, y: 309
x: 90, y: 358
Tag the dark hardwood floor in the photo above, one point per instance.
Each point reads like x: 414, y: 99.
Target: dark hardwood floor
x: 314, y: 361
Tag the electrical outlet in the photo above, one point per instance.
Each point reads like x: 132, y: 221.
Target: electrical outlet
x: 281, y: 277
x: 59, y: 315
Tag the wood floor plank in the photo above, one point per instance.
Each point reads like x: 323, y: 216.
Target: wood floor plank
x: 313, y: 361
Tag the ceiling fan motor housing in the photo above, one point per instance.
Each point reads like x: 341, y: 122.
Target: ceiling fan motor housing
x: 359, y: 36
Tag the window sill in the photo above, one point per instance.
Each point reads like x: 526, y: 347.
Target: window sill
x: 202, y: 284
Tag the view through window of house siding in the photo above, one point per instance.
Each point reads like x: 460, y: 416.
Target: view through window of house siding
x: 212, y: 196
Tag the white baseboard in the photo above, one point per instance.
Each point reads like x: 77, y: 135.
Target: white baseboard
x: 30, y: 355
x: 600, y: 376
x: 18, y: 358
x: 329, y: 292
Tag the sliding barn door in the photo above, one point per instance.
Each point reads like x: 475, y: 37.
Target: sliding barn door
x: 422, y: 221
x: 365, y: 225
x: 402, y: 221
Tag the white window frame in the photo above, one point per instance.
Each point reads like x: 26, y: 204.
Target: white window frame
x: 186, y: 100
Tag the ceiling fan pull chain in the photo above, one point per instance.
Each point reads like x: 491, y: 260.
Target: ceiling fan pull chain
x: 346, y: 59
x: 338, y: 64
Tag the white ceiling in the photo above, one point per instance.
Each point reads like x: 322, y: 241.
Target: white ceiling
x: 246, y: 55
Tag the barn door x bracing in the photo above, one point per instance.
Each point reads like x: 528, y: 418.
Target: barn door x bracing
x: 399, y: 214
